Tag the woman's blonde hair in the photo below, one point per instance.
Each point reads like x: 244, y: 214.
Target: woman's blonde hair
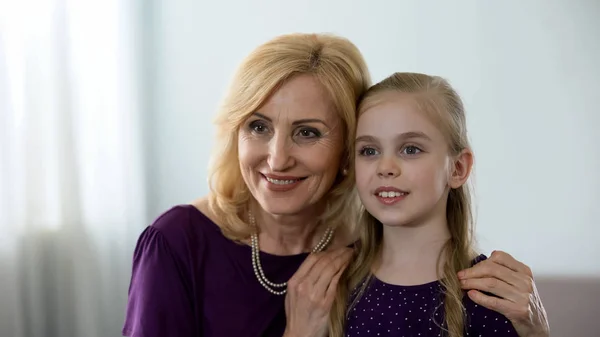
x: 338, y: 65
x: 440, y: 101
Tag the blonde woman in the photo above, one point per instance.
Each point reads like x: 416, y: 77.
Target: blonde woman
x: 279, y: 191
x: 262, y: 254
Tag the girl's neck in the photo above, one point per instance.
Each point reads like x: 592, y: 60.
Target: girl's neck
x: 409, y: 254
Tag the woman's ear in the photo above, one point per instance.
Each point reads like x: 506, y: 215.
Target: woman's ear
x: 461, y: 168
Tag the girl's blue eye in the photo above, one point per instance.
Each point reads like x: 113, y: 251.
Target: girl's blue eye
x: 411, y: 150
x: 368, y: 151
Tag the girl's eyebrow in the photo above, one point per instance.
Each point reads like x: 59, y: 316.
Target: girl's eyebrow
x: 405, y: 135
x: 413, y: 135
x: 365, y: 138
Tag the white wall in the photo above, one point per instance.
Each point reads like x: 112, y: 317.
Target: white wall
x: 524, y: 68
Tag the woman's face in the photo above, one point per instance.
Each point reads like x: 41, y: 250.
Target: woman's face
x: 290, y: 149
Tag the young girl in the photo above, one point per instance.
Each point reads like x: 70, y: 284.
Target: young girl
x: 412, y: 163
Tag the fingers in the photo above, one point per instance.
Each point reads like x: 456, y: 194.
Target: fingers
x: 504, y: 267
x: 490, y: 269
x: 311, y: 269
x: 310, y: 262
x: 496, y: 287
x: 514, y: 312
x: 324, y: 276
x: 331, y: 289
x: 510, y: 262
x: 334, y: 259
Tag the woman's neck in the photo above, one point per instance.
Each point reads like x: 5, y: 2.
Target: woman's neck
x: 410, y: 254
x: 288, y: 234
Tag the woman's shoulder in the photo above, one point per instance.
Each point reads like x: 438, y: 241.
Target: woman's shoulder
x: 185, y: 223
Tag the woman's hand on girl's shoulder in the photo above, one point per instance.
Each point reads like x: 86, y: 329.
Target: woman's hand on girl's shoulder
x: 513, y: 284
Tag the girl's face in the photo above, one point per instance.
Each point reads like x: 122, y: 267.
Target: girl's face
x: 403, y: 167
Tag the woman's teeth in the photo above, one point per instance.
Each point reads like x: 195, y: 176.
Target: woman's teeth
x: 281, y: 182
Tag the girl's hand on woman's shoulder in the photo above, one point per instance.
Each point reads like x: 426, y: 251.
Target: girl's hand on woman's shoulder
x: 517, y: 297
x: 311, y: 292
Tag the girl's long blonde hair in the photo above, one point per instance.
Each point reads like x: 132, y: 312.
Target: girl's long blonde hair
x: 440, y: 101
x: 338, y: 65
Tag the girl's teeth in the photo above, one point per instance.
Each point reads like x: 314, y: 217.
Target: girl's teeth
x: 280, y: 182
x: 390, y: 194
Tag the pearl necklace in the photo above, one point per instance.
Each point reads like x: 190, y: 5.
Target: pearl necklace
x: 258, y: 271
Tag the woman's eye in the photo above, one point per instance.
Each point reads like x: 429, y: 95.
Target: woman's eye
x: 411, y: 150
x: 258, y: 127
x: 368, y: 151
x: 309, y: 133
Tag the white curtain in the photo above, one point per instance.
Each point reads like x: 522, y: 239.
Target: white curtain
x: 71, y: 177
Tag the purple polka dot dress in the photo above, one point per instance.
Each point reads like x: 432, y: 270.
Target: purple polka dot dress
x: 417, y: 311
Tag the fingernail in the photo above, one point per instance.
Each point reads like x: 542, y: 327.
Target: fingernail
x: 461, y: 274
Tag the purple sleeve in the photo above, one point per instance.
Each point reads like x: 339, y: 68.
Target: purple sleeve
x: 160, y: 301
x: 482, y: 321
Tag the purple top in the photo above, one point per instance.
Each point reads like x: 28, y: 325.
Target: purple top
x: 416, y: 311
x: 189, y: 280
